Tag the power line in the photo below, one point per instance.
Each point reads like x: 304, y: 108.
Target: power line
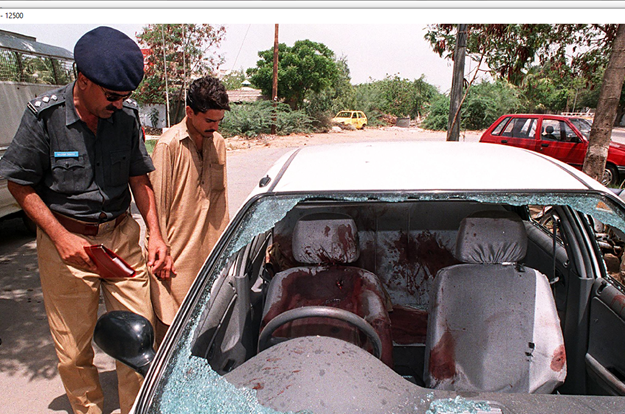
x: 241, y: 47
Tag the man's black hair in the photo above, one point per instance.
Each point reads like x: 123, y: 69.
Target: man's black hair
x: 207, y: 93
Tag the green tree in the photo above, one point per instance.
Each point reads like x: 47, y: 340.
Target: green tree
x: 611, y: 92
x: 559, y: 67
x: 190, y: 52
x: 402, y: 97
x: 322, y: 106
x: 367, y: 98
x: 509, y: 50
x: 438, y: 117
x: 574, y: 50
x: 544, y: 90
x: 485, y: 102
x: 233, y: 80
x: 305, y: 67
x: 20, y: 67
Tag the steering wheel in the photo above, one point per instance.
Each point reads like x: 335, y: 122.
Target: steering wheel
x: 265, y: 340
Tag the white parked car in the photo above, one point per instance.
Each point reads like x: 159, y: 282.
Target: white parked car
x: 375, y: 278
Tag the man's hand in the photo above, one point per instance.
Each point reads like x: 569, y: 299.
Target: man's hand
x: 160, y: 261
x: 71, y: 248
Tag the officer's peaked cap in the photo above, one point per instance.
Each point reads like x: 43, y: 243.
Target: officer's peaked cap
x: 109, y: 58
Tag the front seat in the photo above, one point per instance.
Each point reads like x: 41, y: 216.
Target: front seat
x: 549, y: 133
x: 493, y: 325
x: 325, y: 244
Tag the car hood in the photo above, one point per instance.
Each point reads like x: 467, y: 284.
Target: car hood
x: 305, y: 373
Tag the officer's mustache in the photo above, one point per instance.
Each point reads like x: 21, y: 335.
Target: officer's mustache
x: 111, y: 107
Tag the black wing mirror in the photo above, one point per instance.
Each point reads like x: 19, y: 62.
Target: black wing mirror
x: 127, y: 337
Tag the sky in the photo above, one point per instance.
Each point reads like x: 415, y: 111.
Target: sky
x: 372, y: 51
x: 376, y: 41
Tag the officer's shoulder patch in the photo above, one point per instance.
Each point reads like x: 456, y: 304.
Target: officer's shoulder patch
x: 131, y: 103
x: 45, y: 101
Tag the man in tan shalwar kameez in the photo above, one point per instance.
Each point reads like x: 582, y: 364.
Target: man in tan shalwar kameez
x: 190, y: 189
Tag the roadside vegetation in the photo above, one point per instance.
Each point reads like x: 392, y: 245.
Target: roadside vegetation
x: 523, y: 68
x: 255, y: 118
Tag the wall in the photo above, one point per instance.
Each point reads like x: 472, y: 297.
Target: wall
x: 14, y: 96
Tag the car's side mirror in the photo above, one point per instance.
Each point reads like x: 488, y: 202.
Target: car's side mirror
x: 127, y: 337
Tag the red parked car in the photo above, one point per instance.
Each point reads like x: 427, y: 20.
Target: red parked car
x: 562, y: 137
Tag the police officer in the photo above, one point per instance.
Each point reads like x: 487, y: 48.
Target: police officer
x: 72, y: 165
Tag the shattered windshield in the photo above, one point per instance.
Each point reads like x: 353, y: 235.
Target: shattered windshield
x: 188, y: 384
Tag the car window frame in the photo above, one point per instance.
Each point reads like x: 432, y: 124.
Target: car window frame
x: 500, y: 126
x: 556, y: 133
x: 513, y: 126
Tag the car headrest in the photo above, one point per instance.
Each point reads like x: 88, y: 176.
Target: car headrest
x: 324, y: 238
x: 491, y: 237
x: 549, y: 129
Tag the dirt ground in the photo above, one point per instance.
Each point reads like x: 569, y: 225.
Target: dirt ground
x: 342, y: 136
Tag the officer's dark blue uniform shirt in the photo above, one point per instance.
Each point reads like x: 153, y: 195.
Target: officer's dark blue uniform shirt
x: 75, y: 172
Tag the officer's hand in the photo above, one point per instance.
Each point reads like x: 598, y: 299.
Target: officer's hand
x: 71, y: 248
x: 160, y: 261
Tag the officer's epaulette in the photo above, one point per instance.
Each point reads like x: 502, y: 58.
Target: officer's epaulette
x: 131, y: 103
x: 45, y: 101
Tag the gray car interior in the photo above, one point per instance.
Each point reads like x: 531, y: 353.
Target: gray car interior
x: 472, y: 304
x: 413, y: 251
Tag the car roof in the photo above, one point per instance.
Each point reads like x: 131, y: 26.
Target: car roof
x: 540, y: 116
x: 420, y: 166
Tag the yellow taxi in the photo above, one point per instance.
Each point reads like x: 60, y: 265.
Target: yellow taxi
x: 357, y: 119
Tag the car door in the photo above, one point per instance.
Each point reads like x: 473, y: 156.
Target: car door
x: 355, y: 121
x: 361, y: 120
x: 605, y: 356
x: 519, y: 132
x: 605, y: 359
x: 558, y: 139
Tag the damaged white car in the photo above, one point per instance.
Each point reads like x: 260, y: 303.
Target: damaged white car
x: 375, y: 278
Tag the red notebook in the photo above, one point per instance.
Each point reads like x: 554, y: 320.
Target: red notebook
x: 110, y: 265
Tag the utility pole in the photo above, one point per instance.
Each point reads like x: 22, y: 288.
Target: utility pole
x: 455, y: 97
x: 166, y: 85
x: 274, y: 92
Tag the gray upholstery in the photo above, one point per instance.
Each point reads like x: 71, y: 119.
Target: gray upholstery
x: 491, y: 237
x: 325, y: 238
x: 493, y: 325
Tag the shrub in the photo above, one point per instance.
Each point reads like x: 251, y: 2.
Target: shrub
x: 487, y: 101
x: 438, y: 117
x: 255, y: 118
x: 484, y: 103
